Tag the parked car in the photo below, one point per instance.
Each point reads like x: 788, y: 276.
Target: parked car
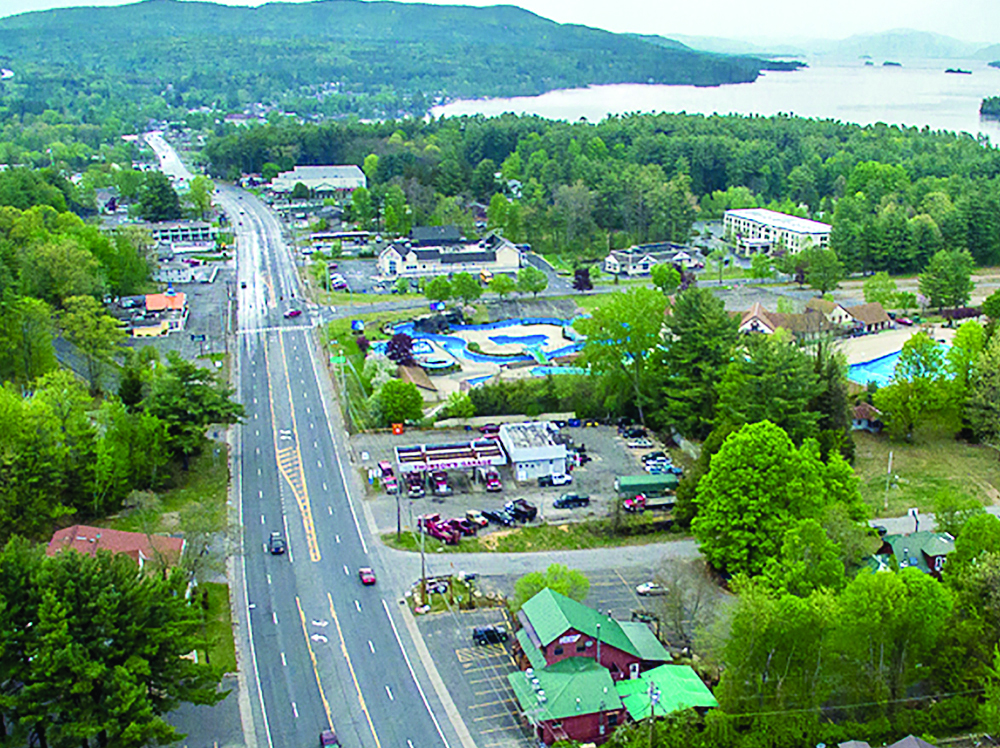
x: 328, y: 738
x: 560, y: 479
x: 276, y: 544
x: 521, y: 509
x: 498, y: 517
x: 634, y: 433
x: 639, y: 443
x: 476, y: 517
x: 658, y: 455
x: 490, y: 429
x: 570, y: 500
x: 366, y: 575
x: 647, y: 589
x: 292, y: 313
x: 463, y: 526
x: 489, y: 635
x: 905, y: 321
x: 439, y: 481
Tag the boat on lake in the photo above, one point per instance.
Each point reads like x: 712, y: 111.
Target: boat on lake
x: 958, y: 71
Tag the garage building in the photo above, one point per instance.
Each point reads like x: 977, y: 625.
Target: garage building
x: 533, y: 449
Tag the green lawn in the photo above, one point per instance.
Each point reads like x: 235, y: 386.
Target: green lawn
x: 219, y: 628
x: 924, y: 469
x: 534, y: 538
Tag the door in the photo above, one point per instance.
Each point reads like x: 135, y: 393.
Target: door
x: 633, y: 671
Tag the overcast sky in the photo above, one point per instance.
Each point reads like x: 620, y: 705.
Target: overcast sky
x: 971, y: 20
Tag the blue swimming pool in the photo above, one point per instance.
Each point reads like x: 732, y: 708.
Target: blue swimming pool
x: 520, y: 339
x: 878, y: 370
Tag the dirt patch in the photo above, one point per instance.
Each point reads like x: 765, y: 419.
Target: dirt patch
x: 564, y: 528
x: 491, y: 540
x: 170, y: 520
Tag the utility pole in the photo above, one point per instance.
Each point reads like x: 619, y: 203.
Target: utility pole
x: 598, y: 644
x: 888, y: 478
x: 423, y: 566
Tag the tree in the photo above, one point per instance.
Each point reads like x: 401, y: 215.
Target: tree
x: 581, y: 280
x: 690, y: 600
x: 756, y: 486
x: 531, y: 280
x: 97, y: 335
x: 465, y: 287
x: 824, y: 270
x: 963, y: 355
x: 496, y: 212
x: 400, y: 349
x: 301, y: 192
x: 881, y: 289
x: 459, y: 405
x: 701, y: 337
x: 948, y: 279
x: 199, y: 195
x: 438, y: 289
x: 809, y: 561
x: 402, y: 285
x: 991, y: 306
x: 770, y: 379
x: 989, y: 710
x: 158, y: 201
x: 559, y: 578
x: 761, y: 267
x: 919, y: 392
x: 370, y: 168
x: 721, y: 259
x: 983, y: 405
x: 99, y: 657
x: 189, y: 399
x: 665, y: 277
x: 502, y: 285
x: 400, y: 401
x: 362, y: 208
x: 623, y: 339
x: 574, y: 207
x: 26, y: 347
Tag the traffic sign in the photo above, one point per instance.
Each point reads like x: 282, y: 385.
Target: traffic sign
x: 198, y: 338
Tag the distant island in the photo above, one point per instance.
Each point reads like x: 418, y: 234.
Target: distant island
x: 995, y: 64
x: 891, y: 64
x: 958, y: 71
x: 990, y: 107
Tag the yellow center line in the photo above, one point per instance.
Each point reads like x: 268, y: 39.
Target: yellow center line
x: 347, y: 657
x: 312, y: 656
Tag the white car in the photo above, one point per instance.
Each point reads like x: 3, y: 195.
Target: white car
x: 639, y: 444
x: 562, y: 479
x: 647, y: 589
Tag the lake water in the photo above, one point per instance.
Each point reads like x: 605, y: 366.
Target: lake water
x: 920, y: 93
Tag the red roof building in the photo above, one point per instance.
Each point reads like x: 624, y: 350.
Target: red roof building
x: 136, y: 545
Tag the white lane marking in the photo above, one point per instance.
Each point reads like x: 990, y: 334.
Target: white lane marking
x: 388, y: 691
x: 274, y: 617
x: 288, y: 539
x: 357, y: 605
x: 420, y: 689
x: 262, y: 519
x: 319, y: 638
x: 330, y: 510
x: 324, y: 487
x: 284, y: 662
x: 321, y: 624
x: 268, y: 578
x: 348, y: 573
x: 371, y: 646
x: 337, y: 537
x: 295, y: 710
x: 260, y: 494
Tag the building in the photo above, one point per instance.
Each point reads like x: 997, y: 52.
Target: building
x: 321, y: 180
x: 154, y: 314
x: 492, y: 254
x: 533, y: 449
x: 418, y: 377
x: 138, y: 546
x: 924, y: 550
x: 640, y: 259
x: 182, y: 232
x: 869, y: 317
x: 761, y: 231
x: 436, y: 236
x: 806, y: 326
x: 866, y: 417
x: 835, y: 313
x: 585, y: 673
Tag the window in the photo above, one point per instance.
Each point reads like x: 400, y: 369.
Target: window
x: 612, y: 720
x: 557, y: 651
x: 580, y: 646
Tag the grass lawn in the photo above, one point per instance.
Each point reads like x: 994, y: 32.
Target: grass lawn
x: 440, y: 602
x: 205, y: 482
x: 567, y: 537
x: 924, y: 468
x: 219, y: 628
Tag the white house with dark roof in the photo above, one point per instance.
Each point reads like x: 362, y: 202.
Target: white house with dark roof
x: 321, y: 180
x: 760, y: 231
x: 492, y: 253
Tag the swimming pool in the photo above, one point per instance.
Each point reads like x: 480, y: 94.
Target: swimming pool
x: 878, y: 370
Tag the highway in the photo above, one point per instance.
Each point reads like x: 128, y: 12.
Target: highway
x: 321, y: 650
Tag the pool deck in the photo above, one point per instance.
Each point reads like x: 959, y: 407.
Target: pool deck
x: 871, y: 347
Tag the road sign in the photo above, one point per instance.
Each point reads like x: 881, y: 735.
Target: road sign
x: 357, y: 325
x: 198, y: 338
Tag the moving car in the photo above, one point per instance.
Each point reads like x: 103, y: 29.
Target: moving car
x: 489, y: 635
x: 570, y: 500
x: 476, y: 517
x: 243, y: 284
x: 276, y: 544
x: 292, y: 313
x: 366, y: 575
x: 647, y: 589
x: 328, y: 738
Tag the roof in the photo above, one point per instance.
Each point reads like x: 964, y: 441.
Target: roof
x: 435, y: 234
x: 915, y: 548
x: 158, y: 302
x: 550, y: 615
x: 807, y: 322
x: 869, y: 314
x: 853, y: 744
x: 781, y: 220
x: 533, y: 653
x: 911, y: 741
x: 821, y: 305
x: 644, y: 641
x: 323, y: 172
x: 135, y: 545
x: 570, y: 688
x: 678, y: 687
x: 865, y: 411
x: 417, y: 376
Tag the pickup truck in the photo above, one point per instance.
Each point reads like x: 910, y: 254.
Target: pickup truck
x: 492, y: 479
x: 433, y: 526
x: 476, y: 517
x: 462, y: 525
x: 641, y: 503
x: 520, y: 509
x: 388, y: 477
x: 415, y: 485
x: 439, y: 481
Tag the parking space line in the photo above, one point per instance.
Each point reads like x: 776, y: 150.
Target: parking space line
x: 491, y: 703
x: 493, y: 716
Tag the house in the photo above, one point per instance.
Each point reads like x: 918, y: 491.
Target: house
x: 136, y: 545
x: 910, y: 741
x: 866, y: 417
x: 806, y: 326
x: 664, y: 690
x: 534, y: 450
x: 869, y: 317
x: 761, y: 231
x: 493, y: 254
x: 924, y: 550
x: 418, y: 377
x: 322, y: 181
x: 436, y: 236
x: 641, y: 258
x: 555, y: 628
x: 154, y: 314
x: 182, y: 232
x: 833, y: 311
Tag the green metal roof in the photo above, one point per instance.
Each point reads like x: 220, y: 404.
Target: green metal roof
x: 913, y: 549
x: 571, y: 687
x: 551, y: 614
x: 646, y: 482
x: 678, y: 687
x: 644, y: 641
x: 533, y: 653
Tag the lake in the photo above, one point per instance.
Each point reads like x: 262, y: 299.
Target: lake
x: 920, y: 93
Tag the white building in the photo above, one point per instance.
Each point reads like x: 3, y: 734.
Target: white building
x: 640, y: 259
x: 533, y: 449
x: 493, y: 253
x: 321, y: 180
x: 757, y: 230
x: 182, y: 232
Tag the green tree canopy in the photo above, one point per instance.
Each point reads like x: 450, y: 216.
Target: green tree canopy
x: 158, y: 200
x: 881, y: 289
x: 400, y: 401
x: 439, y: 288
x: 96, y: 335
x: 531, y: 280
x: 948, y: 279
x: 665, y: 277
x: 502, y: 285
x: 824, y: 271
x: 464, y: 287
x: 559, y: 578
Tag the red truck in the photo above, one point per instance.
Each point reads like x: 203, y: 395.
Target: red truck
x: 491, y: 478
x: 388, y: 477
x: 463, y: 526
x: 641, y: 503
x: 433, y: 526
x: 439, y: 480
x: 415, y: 485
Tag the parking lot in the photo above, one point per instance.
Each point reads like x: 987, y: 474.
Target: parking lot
x: 477, y: 674
x: 609, y: 458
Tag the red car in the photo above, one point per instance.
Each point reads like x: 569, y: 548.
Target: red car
x: 905, y: 321
x: 366, y: 575
x: 293, y: 313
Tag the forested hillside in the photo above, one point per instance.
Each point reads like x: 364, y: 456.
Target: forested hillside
x: 895, y: 196
x: 331, y: 57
